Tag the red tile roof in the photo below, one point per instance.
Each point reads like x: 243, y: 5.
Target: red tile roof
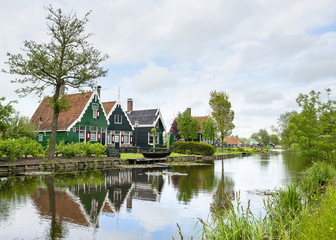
x: 200, y: 120
x: 65, y: 119
x: 108, y: 106
x: 233, y: 141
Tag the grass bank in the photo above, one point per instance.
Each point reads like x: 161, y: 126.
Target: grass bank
x: 125, y: 156
x: 297, y: 211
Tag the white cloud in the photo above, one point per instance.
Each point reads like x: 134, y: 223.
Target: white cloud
x: 264, y: 52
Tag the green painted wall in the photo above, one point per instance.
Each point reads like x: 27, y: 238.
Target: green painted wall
x: 86, y: 120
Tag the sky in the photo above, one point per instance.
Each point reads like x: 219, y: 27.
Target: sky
x: 170, y: 54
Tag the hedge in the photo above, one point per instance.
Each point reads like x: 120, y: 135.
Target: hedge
x: 194, y: 148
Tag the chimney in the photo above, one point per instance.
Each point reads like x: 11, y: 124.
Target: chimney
x: 189, y: 111
x: 98, y: 90
x: 129, y: 105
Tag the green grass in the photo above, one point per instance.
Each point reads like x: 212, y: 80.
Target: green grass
x: 235, y: 150
x: 320, y: 222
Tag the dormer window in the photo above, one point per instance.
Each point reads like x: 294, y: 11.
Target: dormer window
x: 40, y: 120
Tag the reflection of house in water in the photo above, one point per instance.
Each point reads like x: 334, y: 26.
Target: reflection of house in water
x: 83, y: 204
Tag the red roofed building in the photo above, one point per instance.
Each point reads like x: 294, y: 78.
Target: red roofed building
x: 84, y: 121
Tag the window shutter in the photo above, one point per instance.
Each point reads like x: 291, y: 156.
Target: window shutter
x: 112, y: 138
x: 99, y: 136
x: 122, y: 138
x: 97, y: 113
x: 131, y: 139
x: 88, y: 135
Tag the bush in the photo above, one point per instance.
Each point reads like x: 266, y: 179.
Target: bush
x: 318, y: 177
x: 12, y: 149
x: 71, y: 150
x: 30, y: 147
x: 98, y: 149
x: 194, y: 147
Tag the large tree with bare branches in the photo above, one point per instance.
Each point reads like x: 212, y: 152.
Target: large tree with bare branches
x: 67, y: 60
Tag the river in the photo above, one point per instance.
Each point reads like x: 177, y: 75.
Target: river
x: 138, y: 203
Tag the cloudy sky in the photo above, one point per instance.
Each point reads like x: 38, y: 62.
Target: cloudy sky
x: 170, y: 54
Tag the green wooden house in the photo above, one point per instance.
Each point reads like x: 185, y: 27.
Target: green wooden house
x: 120, y: 130
x: 84, y: 121
x: 252, y: 142
x: 143, y: 121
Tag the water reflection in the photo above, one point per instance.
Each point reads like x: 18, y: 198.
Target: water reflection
x: 137, y: 203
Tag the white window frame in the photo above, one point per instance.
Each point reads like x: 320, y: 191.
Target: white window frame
x: 93, y: 134
x: 40, y: 137
x: 118, y: 119
x: 95, y: 108
x: 109, y: 137
x: 127, y: 137
x: 82, y: 129
x: 157, y: 138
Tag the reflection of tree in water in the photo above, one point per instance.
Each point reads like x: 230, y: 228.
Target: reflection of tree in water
x: 224, y: 191
x: 198, y: 178
x: 293, y: 163
x: 15, y: 190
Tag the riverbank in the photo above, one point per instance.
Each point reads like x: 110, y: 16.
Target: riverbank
x: 59, y: 164
x: 297, y: 211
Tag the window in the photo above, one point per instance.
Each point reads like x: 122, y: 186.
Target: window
x: 95, y: 109
x: 74, y: 129
x: 82, y: 134
x: 93, y: 136
x: 150, y: 138
x: 40, y: 137
x: 118, y: 119
x: 108, y: 137
x: 126, y: 138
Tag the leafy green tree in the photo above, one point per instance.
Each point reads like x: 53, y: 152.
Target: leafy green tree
x: 68, y: 60
x: 153, y: 131
x: 20, y: 126
x: 209, y: 130
x: 314, y: 128
x: 6, y: 112
x: 262, y: 136
x: 282, y: 129
x: 187, y: 126
x: 222, y: 113
x: 274, y: 139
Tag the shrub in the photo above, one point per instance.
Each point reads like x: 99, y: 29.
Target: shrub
x: 98, y: 149
x: 12, y: 149
x: 318, y: 177
x: 86, y: 149
x: 30, y: 147
x: 71, y: 150
x: 194, y: 148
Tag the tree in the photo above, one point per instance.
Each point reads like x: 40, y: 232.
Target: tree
x: 209, y: 130
x: 6, y: 112
x: 222, y: 113
x: 282, y: 129
x: 187, y: 126
x: 314, y: 128
x: 262, y: 136
x: 153, y: 131
x: 174, y: 130
x: 274, y: 139
x: 68, y: 60
x: 20, y: 126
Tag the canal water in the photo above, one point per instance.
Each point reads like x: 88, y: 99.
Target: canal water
x: 137, y: 203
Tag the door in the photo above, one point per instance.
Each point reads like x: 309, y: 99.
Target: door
x: 103, y: 137
x: 117, y: 141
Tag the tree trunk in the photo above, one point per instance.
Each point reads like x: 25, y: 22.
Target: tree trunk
x: 222, y: 135
x: 52, y: 143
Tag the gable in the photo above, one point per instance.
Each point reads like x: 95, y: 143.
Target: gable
x: 118, y: 119
x: 44, y: 114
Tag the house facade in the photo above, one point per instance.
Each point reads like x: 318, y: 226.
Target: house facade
x: 143, y: 121
x: 84, y: 121
x: 120, y: 130
x: 252, y: 142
